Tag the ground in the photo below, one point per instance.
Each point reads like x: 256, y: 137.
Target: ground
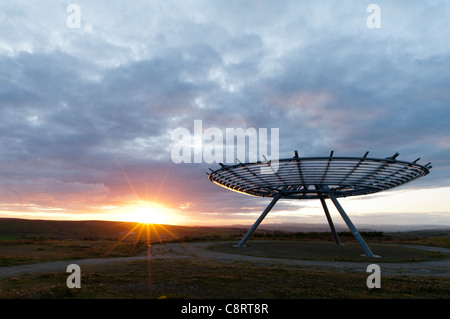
x: 264, y: 269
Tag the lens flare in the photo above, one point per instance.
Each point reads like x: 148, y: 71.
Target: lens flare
x: 148, y: 213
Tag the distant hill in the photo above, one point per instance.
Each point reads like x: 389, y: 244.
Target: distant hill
x: 311, y: 227
x: 11, y: 228
x: 56, y: 229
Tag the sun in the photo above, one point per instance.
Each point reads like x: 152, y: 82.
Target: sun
x: 148, y: 213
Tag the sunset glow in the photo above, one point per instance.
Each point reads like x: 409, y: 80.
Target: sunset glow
x: 125, y: 130
x: 146, y: 213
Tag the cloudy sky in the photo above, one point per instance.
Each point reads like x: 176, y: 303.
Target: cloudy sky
x: 87, y: 109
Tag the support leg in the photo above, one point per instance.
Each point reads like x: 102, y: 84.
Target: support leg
x: 352, y: 227
x: 330, y: 221
x: 260, y: 219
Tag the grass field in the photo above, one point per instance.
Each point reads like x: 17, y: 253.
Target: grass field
x: 326, y: 251
x: 32, y: 242
x: 23, y: 252
x: 194, y: 279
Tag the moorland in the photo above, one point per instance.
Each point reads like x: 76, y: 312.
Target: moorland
x: 187, y: 262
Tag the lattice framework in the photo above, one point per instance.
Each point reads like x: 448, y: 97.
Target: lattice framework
x: 318, y: 178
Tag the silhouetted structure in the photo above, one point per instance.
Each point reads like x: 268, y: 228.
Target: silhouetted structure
x: 318, y: 178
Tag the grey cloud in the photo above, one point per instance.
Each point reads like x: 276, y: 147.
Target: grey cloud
x: 73, y: 109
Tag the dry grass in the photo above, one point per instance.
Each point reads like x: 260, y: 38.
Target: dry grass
x: 215, y: 280
x: 327, y: 251
x: 21, y: 252
x: 192, y: 278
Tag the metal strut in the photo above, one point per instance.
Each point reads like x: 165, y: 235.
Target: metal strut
x: 350, y: 225
x: 330, y: 221
x: 260, y: 219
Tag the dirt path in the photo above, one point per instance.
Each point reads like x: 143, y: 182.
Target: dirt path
x: 200, y: 251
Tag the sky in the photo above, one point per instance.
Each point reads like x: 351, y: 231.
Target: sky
x: 91, y: 93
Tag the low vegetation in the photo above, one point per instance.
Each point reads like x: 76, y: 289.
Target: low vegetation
x: 215, y: 280
x: 327, y: 251
x: 28, y: 242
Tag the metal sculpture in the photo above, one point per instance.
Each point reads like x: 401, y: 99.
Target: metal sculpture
x: 318, y: 178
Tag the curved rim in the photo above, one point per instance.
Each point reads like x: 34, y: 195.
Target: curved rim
x: 315, y: 177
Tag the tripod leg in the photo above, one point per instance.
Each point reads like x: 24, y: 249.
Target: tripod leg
x: 260, y: 219
x: 330, y: 221
x: 352, y: 227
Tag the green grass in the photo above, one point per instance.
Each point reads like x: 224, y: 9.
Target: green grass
x: 9, y: 237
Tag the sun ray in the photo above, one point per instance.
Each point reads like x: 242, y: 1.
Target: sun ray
x: 149, y: 270
x: 126, y: 177
x: 162, y: 183
x: 188, y: 247
x: 172, y: 234
x: 155, y: 231
x: 138, y: 237
x: 121, y: 240
x: 149, y: 217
